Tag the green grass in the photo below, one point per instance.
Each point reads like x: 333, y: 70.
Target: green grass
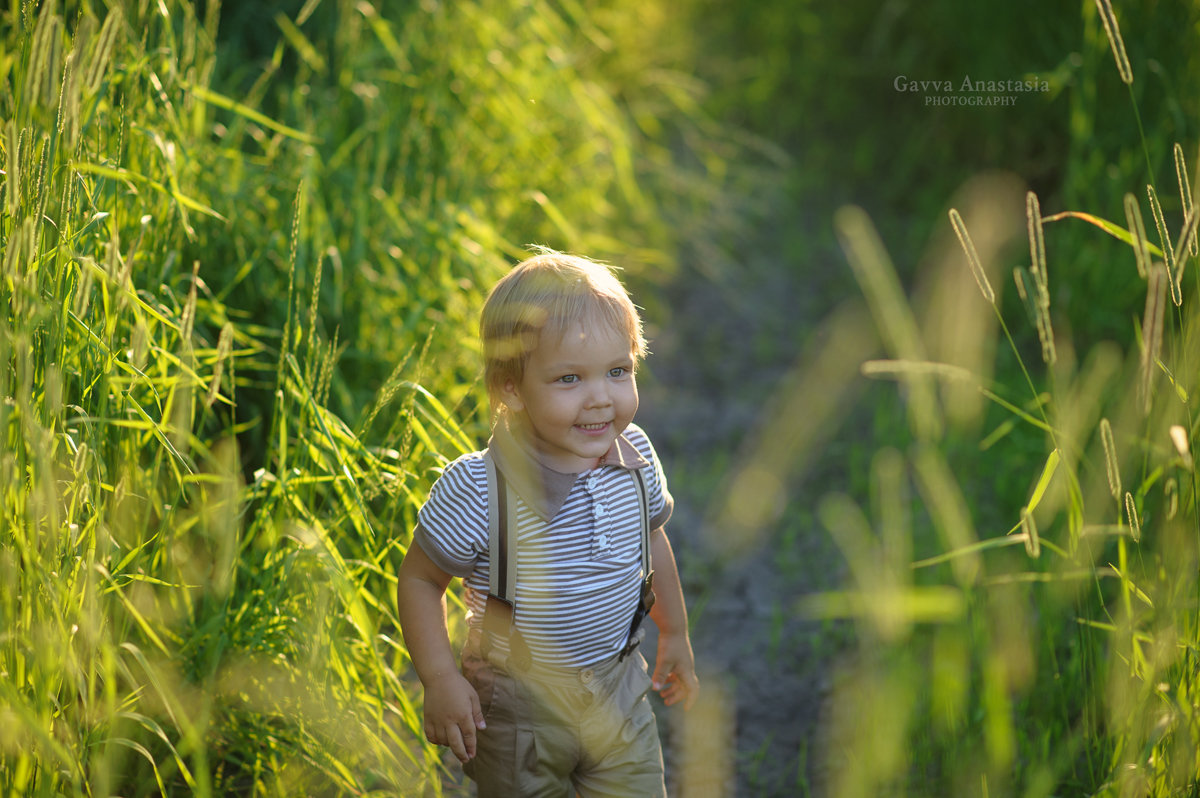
x: 240, y: 301
x: 1043, y: 644
x: 241, y: 266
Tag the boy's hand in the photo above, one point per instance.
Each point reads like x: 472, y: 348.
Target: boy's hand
x: 675, y: 670
x: 452, y: 714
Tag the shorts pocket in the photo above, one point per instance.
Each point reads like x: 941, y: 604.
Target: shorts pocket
x: 479, y: 672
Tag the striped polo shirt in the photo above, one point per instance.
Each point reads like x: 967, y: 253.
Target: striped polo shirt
x: 579, y: 567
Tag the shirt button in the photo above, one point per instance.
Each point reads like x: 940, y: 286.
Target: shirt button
x: 603, y: 541
x: 599, y: 512
x: 593, y: 482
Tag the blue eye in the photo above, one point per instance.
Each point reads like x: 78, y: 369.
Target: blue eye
x: 619, y: 371
x: 568, y: 378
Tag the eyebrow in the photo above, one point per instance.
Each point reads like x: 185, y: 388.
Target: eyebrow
x: 570, y: 365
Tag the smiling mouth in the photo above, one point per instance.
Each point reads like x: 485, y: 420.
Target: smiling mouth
x: 592, y: 427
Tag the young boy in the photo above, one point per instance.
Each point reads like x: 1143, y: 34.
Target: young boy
x: 560, y: 705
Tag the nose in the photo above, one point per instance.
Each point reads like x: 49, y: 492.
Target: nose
x: 598, y: 395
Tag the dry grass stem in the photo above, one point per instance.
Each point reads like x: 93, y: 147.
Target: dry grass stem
x: 1135, y: 525
x: 1187, y: 239
x: 1037, y: 243
x: 1046, y: 334
x: 892, y: 368
x: 1161, y: 226
x: 1033, y: 543
x: 880, y: 285
x: 1133, y: 215
x: 1110, y: 458
x: 964, y: 238
x: 1152, y: 330
x: 1185, y: 192
x: 1113, y: 30
x: 1041, y: 278
x: 1020, y: 281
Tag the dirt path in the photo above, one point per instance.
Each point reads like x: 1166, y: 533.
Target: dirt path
x: 719, y: 359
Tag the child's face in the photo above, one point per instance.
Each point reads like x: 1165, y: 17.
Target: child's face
x: 578, y: 394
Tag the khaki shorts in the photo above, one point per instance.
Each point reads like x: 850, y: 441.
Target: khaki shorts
x: 552, y: 732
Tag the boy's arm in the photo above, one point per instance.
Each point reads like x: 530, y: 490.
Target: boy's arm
x: 452, y: 710
x: 675, y: 666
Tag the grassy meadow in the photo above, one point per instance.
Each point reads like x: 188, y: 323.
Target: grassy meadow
x: 1024, y: 557
x: 241, y: 284
x: 244, y: 247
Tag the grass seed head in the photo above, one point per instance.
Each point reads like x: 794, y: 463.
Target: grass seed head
x: 1152, y: 331
x: 1135, y: 526
x: 1185, y: 192
x: 1037, y: 243
x: 1110, y: 458
x: 1113, y: 31
x: 1133, y: 215
x: 968, y: 246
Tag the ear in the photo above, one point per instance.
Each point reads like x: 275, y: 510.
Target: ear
x: 511, y: 397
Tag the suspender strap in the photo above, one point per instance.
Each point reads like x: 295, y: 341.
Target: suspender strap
x: 499, y: 613
x: 646, y: 598
x: 502, y: 533
x: 644, y: 518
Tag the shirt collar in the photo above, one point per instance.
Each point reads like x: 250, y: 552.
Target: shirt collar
x: 543, y: 489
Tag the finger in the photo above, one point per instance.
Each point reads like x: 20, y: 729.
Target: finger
x: 477, y: 712
x: 467, y: 730
x: 662, y: 672
x: 455, y: 741
x: 669, y: 692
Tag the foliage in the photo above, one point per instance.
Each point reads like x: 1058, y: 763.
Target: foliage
x: 1044, y: 643
x: 237, y: 347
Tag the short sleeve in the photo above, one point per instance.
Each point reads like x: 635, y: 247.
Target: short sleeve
x: 659, y: 498
x: 452, y: 525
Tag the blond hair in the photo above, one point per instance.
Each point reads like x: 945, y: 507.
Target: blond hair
x: 545, y: 294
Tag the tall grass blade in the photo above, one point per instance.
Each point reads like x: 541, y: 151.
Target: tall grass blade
x: 876, y: 276
x: 1133, y: 215
x: 1152, y: 333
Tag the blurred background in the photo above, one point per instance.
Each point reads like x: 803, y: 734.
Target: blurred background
x: 245, y: 248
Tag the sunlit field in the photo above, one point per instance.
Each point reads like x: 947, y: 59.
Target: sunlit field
x: 244, y: 249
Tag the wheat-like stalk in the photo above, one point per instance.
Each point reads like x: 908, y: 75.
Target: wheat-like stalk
x: 1152, y: 331
x: 1133, y: 215
x: 1185, y: 192
x: 1135, y: 525
x: 1041, y: 281
x: 1037, y: 243
x: 1045, y: 331
x: 1019, y: 279
x: 964, y: 238
x: 1113, y: 30
x: 1187, y: 234
x: 1110, y: 458
x: 1156, y: 210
